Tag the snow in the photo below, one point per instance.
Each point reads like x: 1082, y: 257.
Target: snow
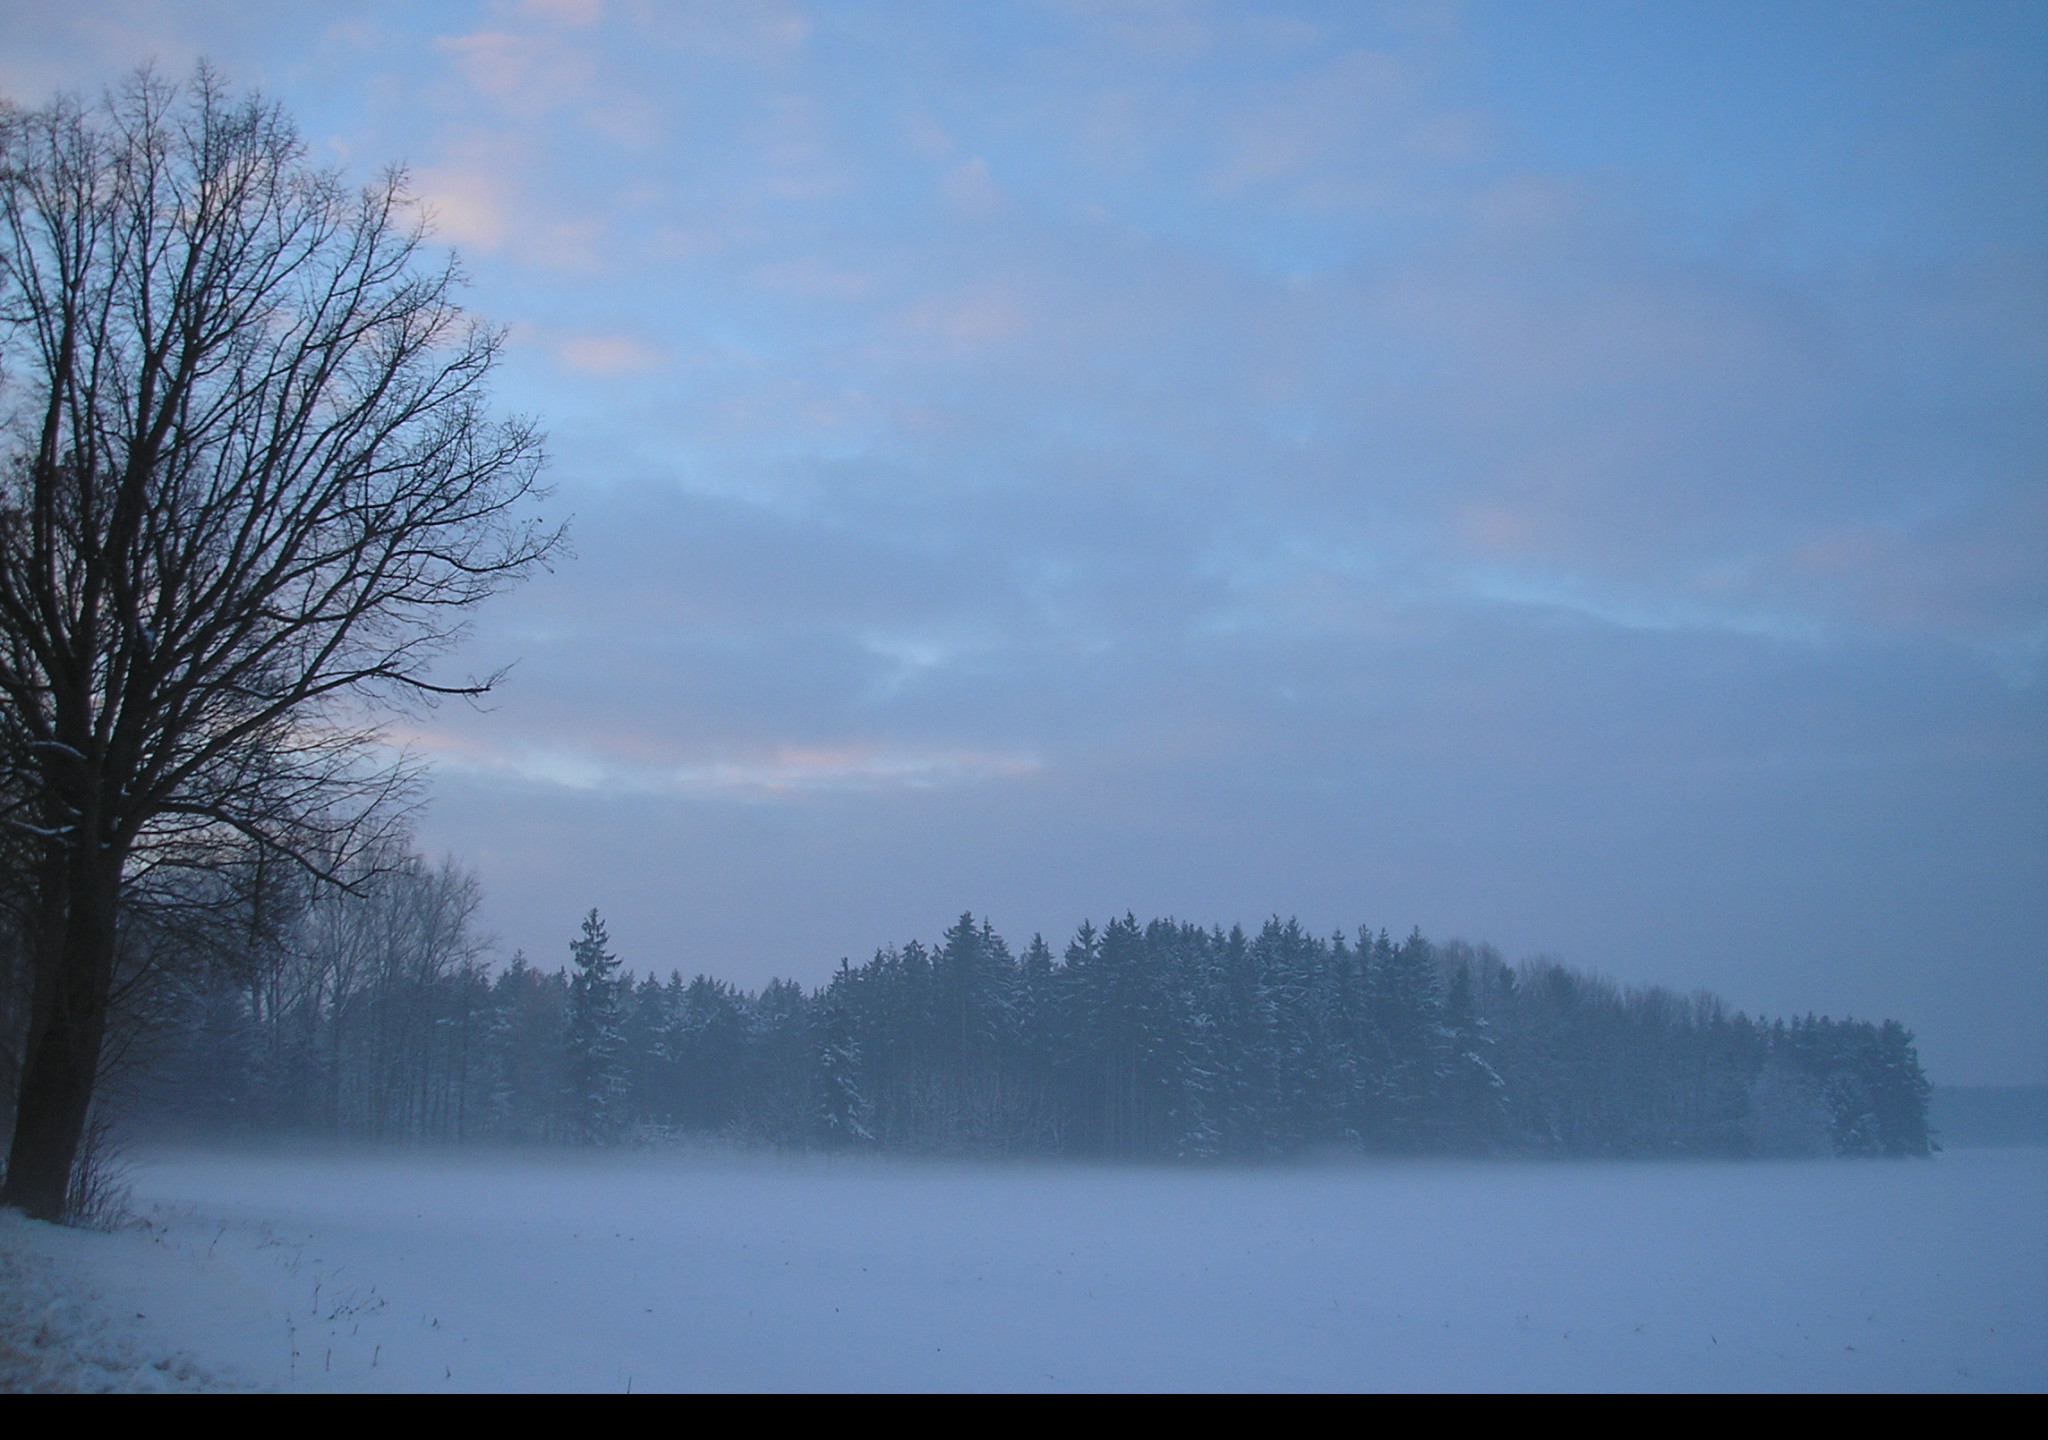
x: 58, y: 1337
x: 535, y: 1271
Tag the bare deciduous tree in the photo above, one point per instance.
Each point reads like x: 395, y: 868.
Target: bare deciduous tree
x: 251, y: 490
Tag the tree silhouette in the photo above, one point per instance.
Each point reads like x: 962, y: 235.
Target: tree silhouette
x: 249, y: 492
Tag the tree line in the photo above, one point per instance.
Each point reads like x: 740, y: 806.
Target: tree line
x: 376, y: 1016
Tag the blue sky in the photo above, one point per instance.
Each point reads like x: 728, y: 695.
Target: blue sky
x: 1568, y: 475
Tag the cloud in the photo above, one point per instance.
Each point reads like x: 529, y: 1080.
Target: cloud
x: 787, y: 773
x: 523, y: 73
x: 811, y: 276
x: 564, y: 244
x: 569, y: 14
x: 968, y: 322
x: 466, y: 204
x: 1336, y: 120
x: 607, y: 354
x: 969, y: 187
x: 764, y: 35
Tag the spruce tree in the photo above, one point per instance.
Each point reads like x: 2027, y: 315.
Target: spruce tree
x: 1901, y: 1090
x: 1408, y: 1014
x: 598, y: 1077
x: 1473, y: 1092
x: 840, y: 1117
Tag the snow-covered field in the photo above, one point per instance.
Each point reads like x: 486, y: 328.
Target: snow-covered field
x: 538, y: 1272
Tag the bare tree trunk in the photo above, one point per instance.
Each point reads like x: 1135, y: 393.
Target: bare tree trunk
x: 64, y: 1048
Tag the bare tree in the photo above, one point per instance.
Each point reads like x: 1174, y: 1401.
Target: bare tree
x: 251, y: 491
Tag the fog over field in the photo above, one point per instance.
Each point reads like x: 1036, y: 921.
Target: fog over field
x: 579, y: 1272
x: 1173, y: 695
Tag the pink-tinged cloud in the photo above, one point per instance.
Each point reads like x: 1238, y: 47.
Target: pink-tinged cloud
x: 568, y: 14
x: 970, y: 321
x: 786, y: 772
x: 607, y: 354
x: 523, y: 73
x: 814, y: 277
x: 466, y: 204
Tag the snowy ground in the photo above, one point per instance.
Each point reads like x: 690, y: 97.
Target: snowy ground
x: 535, y: 1272
x: 57, y: 1335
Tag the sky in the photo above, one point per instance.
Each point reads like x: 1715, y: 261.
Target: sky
x: 1573, y: 476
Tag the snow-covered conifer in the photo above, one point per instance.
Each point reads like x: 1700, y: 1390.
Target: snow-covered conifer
x: 597, y: 1068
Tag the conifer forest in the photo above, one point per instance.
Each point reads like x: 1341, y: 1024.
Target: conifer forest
x: 377, y: 1016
